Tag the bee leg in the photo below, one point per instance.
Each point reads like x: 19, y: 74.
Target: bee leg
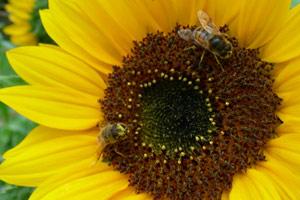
x: 201, y: 59
x: 190, y: 48
x: 100, y: 153
x: 119, y: 153
x: 218, y: 61
x: 99, y: 156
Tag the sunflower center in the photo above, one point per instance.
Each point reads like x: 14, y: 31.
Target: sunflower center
x: 175, y: 116
x: 192, y: 121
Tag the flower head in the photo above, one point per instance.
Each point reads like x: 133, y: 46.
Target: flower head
x: 145, y: 99
x: 24, y: 26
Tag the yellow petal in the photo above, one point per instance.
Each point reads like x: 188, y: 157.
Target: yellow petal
x: 67, y: 175
x: 130, y: 194
x: 117, y: 22
x: 46, y: 151
x: 51, y: 66
x: 291, y: 103
x: 78, y: 185
x: 259, y: 21
x: 16, y: 20
x: 225, y: 195
x: 22, y: 40
x: 291, y: 124
x: 254, y: 184
x: 222, y: 11
x: 286, y: 44
x: 57, y: 33
x: 288, y: 158
x: 290, y: 142
x: 26, y: 5
x: 55, y: 108
x: 174, y: 11
x: 19, y: 12
x: 84, y: 32
x: 112, y: 25
x: 287, y: 77
x: 241, y: 187
x: 162, y: 12
x: 180, y: 11
x: 289, y: 85
x: 264, y: 184
x: 17, y: 29
x: 278, y: 67
x: 286, y: 182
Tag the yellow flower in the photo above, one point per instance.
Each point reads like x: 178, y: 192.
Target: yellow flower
x: 25, y: 27
x: 194, y: 129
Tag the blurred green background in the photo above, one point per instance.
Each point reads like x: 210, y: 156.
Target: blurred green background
x: 13, y: 127
x: 295, y: 2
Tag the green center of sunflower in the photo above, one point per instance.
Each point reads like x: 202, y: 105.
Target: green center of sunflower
x: 192, y: 122
x: 175, y: 115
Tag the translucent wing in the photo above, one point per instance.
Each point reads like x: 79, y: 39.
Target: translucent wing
x: 101, y: 145
x: 186, y: 34
x: 207, y: 23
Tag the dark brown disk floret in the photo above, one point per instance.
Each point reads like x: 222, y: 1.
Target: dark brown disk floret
x: 191, y: 126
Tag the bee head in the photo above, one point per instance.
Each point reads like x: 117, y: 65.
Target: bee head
x: 121, y: 129
x: 221, y: 46
x: 226, y: 52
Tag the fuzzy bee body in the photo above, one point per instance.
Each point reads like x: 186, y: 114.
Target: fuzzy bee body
x: 208, y: 36
x: 110, y: 134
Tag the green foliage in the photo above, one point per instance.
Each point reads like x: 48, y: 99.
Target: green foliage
x: 295, y: 2
x: 10, y: 192
x: 10, y: 80
x: 37, y: 26
x: 13, y: 129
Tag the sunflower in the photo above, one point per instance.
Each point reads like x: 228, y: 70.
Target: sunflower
x: 25, y: 26
x: 129, y: 108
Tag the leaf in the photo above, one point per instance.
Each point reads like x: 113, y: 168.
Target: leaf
x: 4, y: 114
x: 10, y: 80
x: 5, y: 68
x: 10, y: 192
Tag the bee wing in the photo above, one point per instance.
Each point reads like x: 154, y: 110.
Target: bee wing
x: 207, y: 23
x: 100, y: 148
x: 186, y: 34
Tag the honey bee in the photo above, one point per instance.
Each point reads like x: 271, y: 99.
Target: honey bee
x: 110, y: 134
x: 208, y: 36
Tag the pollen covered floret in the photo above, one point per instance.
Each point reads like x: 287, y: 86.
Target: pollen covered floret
x: 191, y: 126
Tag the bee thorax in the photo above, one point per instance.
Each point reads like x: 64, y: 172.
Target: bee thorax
x: 112, y: 133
